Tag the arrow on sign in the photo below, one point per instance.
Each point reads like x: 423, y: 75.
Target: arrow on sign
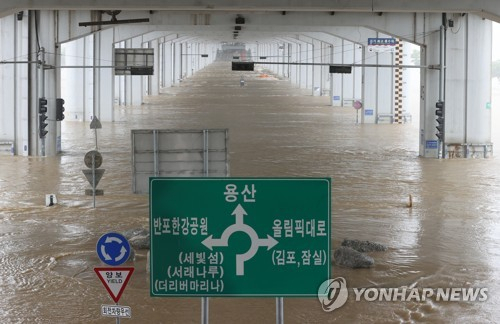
x: 114, y: 280
x: 270, y: 242
x: 111, y: 239
x: 240, y: 226
x: 210, y: 242
x: 239, y: 212
x: 123, y: 252
x: 107, y: 257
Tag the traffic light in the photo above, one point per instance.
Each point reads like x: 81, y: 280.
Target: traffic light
x: 42, y: 110
x: 42, y: 124
x: 42, y: 105
x: 59, y: 109
x: 440, y: 119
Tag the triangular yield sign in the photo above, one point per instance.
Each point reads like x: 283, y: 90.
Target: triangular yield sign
x: 114, y: 280
x: 98, y: 175
x: 95, y: 123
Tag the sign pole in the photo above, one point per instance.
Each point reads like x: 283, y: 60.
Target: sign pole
x: 93, y: 177
x: 279, y: 311
x: 117, y: 317
x: 204, y: 310
x: 204, y: 300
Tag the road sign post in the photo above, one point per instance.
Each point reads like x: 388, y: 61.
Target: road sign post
x: 114, y: 249
x: 239, y: 236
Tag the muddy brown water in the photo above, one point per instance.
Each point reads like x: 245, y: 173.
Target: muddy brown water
x: 449, y: 238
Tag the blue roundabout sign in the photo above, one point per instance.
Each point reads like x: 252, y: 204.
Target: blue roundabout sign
x: 113, y: 249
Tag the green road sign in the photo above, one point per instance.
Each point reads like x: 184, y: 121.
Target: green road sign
x: 239, y: 236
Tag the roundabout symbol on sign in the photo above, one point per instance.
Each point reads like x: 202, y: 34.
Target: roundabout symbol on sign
x: 240, y: 226
x: 113, y: 249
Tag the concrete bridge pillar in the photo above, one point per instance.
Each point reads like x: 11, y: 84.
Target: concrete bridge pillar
x: 103, y: 77
x: 378, y: 86
x: 167, y: 63
x: 47, y: 81
x: 467, y: 93
x: 17, y: 110
x: 135, y: 84
x: 294, y: 50
x: 154, y: 80
x: 75, y: 81
x: 177, y: 62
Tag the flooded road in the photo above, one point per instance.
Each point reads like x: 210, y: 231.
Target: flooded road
x: 450, y: 238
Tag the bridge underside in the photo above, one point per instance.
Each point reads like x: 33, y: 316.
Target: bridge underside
x: 430, y: 56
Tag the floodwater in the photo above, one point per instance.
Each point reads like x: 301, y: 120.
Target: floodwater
x: 450, y: 238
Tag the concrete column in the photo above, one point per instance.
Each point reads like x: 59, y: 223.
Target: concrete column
x: 183, y: 59
x: 89, y: 78
x: 294, y: 69
x: 128, y: 92
x: 168, y: 61
x: 22, y: 115
x: 49, y: 87
x: 272, y: 57
x: 186, y: 58
x: 325, y: 73
x: 267, y: 53
x: 8, y: 89
x: 204, y: 61
x: 378, y: 87
x: 145, y: 79
x: 14, y: 130
x: 385, y: 82
x: 154, y: 80
x: 196, y: 57
x: 190, y: 58
x: 341, y: 51
x: 161, y: 63
x: 103, y: 77
x: 370, y: 87
x: 357, y: 71
x: 286, y: 60
x: 177, y: 62
x: 303, y: 71
x: 136, y: 81
x: 467, y: 86
x: 316, y: 69
x: 280, y: 55
x: 120, y: 84
x: 73, y: 81
x: 347, y: 78
x: 477, y: 110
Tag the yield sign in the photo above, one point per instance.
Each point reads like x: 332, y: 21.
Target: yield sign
x: 98, y: 175
x: 114, y: 280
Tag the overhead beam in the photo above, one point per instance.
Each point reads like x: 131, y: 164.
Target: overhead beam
x: 485, y: 8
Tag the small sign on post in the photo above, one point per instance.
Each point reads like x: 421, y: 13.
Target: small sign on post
x: 113, y: 249
x: 93, y: 160
x: 116, y: 311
